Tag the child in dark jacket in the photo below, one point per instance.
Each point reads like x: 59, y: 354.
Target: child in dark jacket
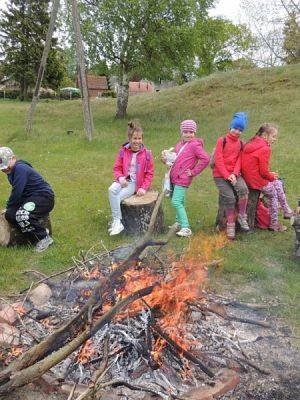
x: 133, y: 171
x: 227, y: 174
x: 31, y: 198
x: 191, y: 159
x: 255, y: 168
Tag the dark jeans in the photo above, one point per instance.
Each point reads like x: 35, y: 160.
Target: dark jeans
x: 228, y: 192
x: 26, y: 216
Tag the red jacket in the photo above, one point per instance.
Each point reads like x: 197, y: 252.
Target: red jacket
x: 255, y: 163
x: 227, y: 157
x: 144, y: 166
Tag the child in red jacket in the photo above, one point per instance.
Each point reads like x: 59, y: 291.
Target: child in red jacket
x: 133, y: 171
x: 255, y: 169
x: 227, y: 174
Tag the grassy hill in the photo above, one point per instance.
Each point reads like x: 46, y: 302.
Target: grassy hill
x: 260, y: 264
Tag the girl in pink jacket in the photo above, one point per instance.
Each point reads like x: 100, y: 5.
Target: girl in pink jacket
x: 133, y: 171
x: 190, y: 161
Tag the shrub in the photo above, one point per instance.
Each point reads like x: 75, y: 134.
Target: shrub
x: 110, y: 93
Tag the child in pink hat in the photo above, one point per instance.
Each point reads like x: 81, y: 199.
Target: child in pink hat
x: 191, y: 159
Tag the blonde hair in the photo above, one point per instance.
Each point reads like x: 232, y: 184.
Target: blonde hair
x: 133, y: 127
x: 266, y: 128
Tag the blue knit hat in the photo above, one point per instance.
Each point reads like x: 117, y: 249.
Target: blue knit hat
x: 239, y: 121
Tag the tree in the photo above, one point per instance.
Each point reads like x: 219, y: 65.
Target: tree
x: 291, y: 43
x: 146, y: 38
x: 23, y: 28
x: 273, y: 24
x: 220, y: 43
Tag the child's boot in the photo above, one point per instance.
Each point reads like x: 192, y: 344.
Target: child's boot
x: 242, y: 220
x: 230, y: 230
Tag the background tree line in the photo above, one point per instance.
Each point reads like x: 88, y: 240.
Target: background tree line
x: 147, y: 39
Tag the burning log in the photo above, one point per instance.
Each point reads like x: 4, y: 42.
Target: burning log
x: 66, y: 338
x: 27, y: 375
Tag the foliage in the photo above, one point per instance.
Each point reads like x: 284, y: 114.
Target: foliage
x: 23, y: 28
x: 274, y: 25
x: 219, y: 43
x: 291, y: 42
x: 142, y: 37
x: 99, y: 69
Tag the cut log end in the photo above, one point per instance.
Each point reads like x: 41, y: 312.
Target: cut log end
x: 137, y: 211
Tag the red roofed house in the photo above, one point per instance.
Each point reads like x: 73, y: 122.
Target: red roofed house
x: 140, y: 87
x: 96, y: 85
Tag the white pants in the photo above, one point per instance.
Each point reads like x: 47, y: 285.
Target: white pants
x: 117, y: 194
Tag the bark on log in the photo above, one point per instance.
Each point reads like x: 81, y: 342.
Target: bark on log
x: 251, y: 210
x: 11, y: 236
x: 136, y: 213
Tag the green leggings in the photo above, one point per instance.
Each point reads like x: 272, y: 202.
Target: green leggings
x: 178, y: 202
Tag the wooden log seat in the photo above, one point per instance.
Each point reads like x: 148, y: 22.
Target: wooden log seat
x: 136, y: 213
x: 251, y: 210
x: 11, y: 236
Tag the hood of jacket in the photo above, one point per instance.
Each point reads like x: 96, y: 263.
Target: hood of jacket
x: 255, y: 144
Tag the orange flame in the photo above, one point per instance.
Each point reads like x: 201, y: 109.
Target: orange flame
x: 93, y: 274
x: 86, y: 352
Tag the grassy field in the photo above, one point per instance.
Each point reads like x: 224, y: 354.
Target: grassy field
x: 259, y: 265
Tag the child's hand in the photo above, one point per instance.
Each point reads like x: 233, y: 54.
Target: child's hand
x: 123, y: 182
x: 232, y: 179
x: 141, y: 192
x: 276, y: 175
x: 189, y: 172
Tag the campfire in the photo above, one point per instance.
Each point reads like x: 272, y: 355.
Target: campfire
x: 139, y: 323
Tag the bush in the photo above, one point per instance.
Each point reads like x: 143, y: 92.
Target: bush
x: 110, y: 93
x: 66, y: 95
x: 10, y: 94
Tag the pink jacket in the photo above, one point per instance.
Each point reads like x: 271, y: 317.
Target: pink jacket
x: 144, y: 166
x: 192, y: 157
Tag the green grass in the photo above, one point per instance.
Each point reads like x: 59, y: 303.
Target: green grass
x: 260, y: 265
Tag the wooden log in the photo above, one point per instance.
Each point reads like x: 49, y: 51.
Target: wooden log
x: 251, y: 210
x: 136, y: 213
x: 11, y: 236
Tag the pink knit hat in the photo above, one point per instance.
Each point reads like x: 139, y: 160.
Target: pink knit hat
x: 188, y: 125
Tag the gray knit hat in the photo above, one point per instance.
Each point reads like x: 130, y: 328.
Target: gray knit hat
x: 5, y: 156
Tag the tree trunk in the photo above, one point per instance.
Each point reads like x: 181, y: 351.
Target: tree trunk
x: 122, y: 97
x: 42, y: 65
x: 87, y: 115
x: 251, y: 210
x: 137, y: 211
x: 11, y: 236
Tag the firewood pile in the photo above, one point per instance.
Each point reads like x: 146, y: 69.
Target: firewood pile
x: 133, y: 324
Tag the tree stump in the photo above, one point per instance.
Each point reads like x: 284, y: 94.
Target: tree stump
x: 136, y: 213
x: 11, y: 236
x: 251, y: 210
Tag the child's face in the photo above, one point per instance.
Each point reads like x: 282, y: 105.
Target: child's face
x: 272, y: 136
x: 236, y: 132
x: 136, y: 141
x: 12, y: 162
x: 187, y: 135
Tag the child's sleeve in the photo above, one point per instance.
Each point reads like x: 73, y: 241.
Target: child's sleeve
x: 203, y: 159
x: 118, y: 167
x: 18, y: 185
x: 264, y: 158
x: 219, y: 159
x: 238, y: 165
x: 149, y: 173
